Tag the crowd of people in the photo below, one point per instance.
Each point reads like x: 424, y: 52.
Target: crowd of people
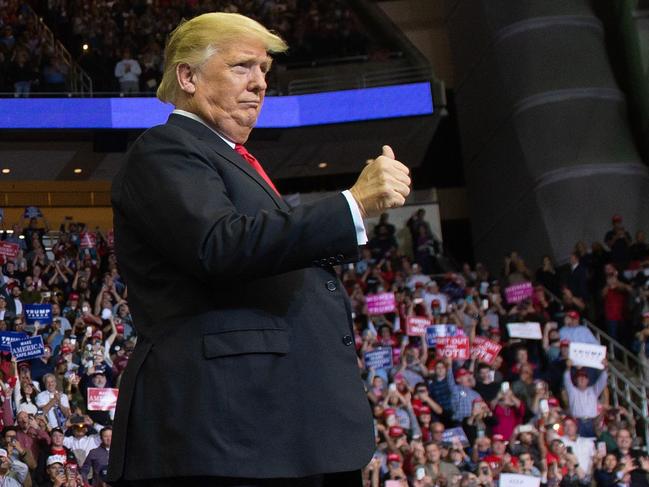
x: 27, y: 61
x: 439, y: 420
x: 529, y: 410
x: 115, y: 32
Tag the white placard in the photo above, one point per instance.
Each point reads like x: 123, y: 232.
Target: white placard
x: 530, y: 330
x: 518, y: 480
x: 587, y: 355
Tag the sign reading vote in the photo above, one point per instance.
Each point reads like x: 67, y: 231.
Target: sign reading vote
x: 434, y: 331
x: 28, y: 349
x: 518, y: 480
x: 456, y: 348
x: 41, y: 313
x: 518, y: 292
x: 529, y: 330
x: 587, y: 355
x: 416, y: 325
x: 377, y: 304
x: 484, y: 350
x: 9, y: 249
x: 379, y: 358
x: 102, y: 398
x: 6, y: 337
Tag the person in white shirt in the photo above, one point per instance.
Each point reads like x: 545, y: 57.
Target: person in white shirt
x: 582, y: 398
x: 55, y: 405
x: 431, y: 294
x: 583, y: 448
x: 81, y: 442
x: 128, y: 72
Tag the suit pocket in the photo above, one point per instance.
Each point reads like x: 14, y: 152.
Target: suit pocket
x: 240, y: 342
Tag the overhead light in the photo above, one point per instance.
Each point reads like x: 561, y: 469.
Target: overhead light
x: 78, y: 170
x: 322, y: 165
x: 6, y: 170
x: 85, y: 47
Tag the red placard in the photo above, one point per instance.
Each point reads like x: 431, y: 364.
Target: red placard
x: 102, y: 398
x: 88, y: 240
x: 416, y: 325
x: 9, y: 249
x: 485, y: 350
x: 456, y: 348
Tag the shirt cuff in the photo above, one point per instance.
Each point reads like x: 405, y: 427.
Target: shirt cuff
x: 361, y: 235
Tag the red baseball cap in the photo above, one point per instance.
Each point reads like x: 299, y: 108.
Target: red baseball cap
x: 553, y: 402
x: 396, y: 431
x: 645, y: 315
x: 119, y: 329
x: 573, y: 314
x: 73, y: 297
x: 499, y: 437
x: 616, y: 218
x: 394, y: 457
x: 424, y: 410
x: 459, y: 373
x: 389, y: 412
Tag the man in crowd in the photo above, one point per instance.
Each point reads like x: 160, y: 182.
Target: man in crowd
x: 257, y: 276
x: 573, y: 331
x: 583, y: 398
x: 97, y: 459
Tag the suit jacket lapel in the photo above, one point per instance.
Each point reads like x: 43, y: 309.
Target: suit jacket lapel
x: 219, y: 146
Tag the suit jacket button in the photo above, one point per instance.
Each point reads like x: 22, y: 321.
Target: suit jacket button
x: 348, y: 340
x: 331, y: 286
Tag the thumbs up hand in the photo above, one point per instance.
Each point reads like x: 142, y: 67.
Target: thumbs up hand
x: 383, y: 184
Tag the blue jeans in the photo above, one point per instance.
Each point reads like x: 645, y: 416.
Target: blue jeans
x: 22, y: 88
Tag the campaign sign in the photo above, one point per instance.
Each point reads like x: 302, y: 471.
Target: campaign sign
x: 110, y: 238
x: 518, y: 292
x: 587, y: 355
x: 456, y: 348
x: 450, y: 433
x: 6, y: 337
x: 434, y: 331
x: 377, y: 304
x: 518, y: 480
x: 32, y: 212
x: 9, y: 249
x: 529, y: 330
x: 417, y: 325
x: 379, y: 358
x: 484, y: 350
x: 28, y: 348
x: 41, y: 313
x: 102, y: 398
x: 87, y: 240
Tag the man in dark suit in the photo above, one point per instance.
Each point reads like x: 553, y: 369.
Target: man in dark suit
x: 245, y: 371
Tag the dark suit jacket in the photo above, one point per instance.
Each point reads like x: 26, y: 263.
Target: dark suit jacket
x: 245, y: 364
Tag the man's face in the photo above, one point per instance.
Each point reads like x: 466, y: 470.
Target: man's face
x: 623, y: 439
x: 582, y: 382
x: 23, y: 420
x: 571, y: 428
x: 499, y: 447
x: 106, y: 438
x: 440, y: 370
x: 57, y: 438
x: 50, y: 384
x: 228, y: 90
x: 432, y: 453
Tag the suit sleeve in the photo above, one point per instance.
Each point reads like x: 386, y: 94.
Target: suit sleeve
x: 177, y: 199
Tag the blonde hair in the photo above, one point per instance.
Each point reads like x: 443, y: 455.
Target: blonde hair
x: 195, y: 41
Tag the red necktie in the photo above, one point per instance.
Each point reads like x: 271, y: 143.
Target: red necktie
x: 252, y: 160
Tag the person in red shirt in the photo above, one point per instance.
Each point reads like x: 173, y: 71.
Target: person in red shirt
x: 615, y: 295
